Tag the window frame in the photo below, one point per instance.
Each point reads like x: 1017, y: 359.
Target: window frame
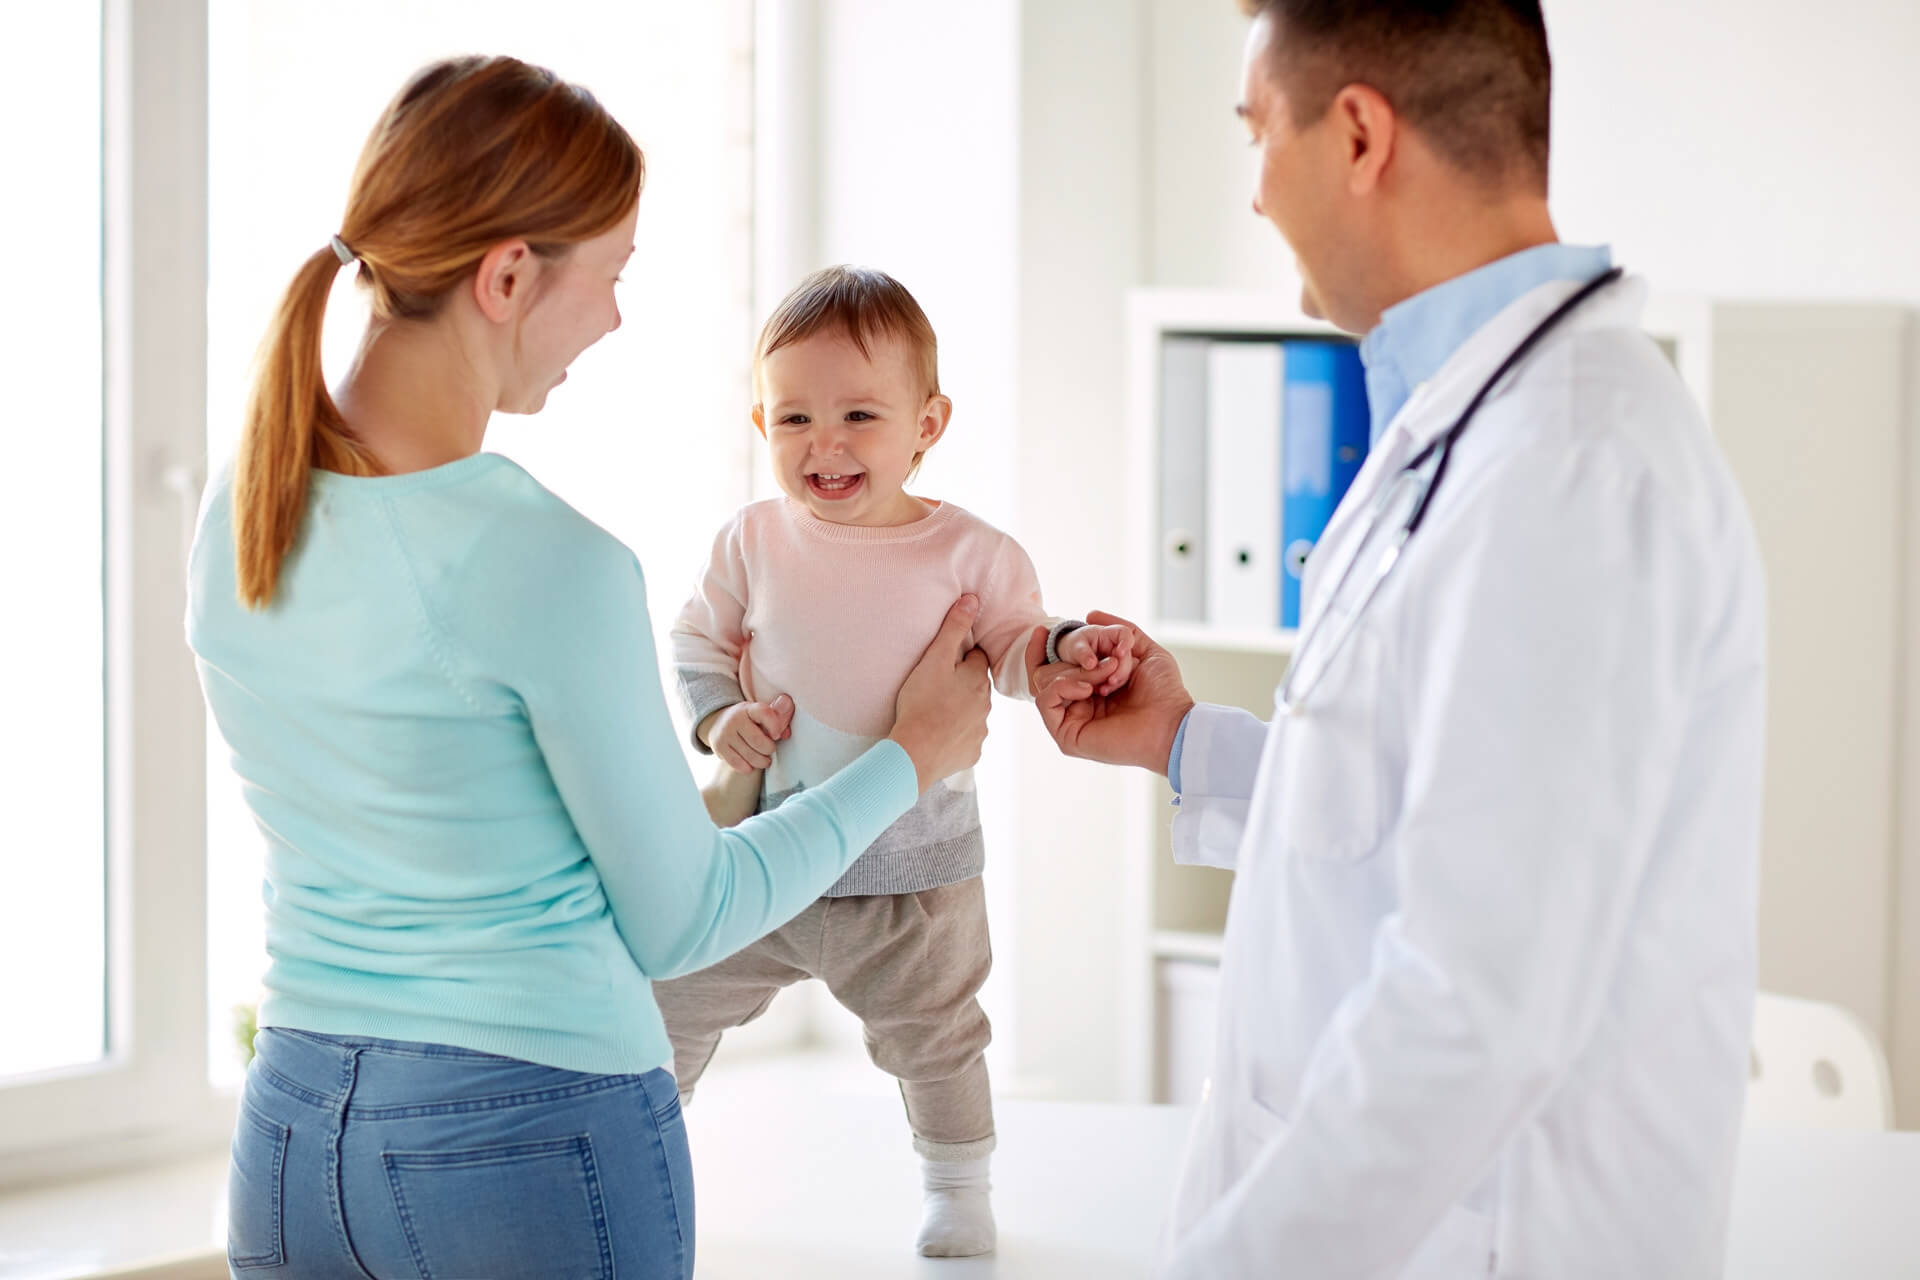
x: 148, y: 1097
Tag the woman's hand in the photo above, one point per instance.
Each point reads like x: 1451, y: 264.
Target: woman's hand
x: 940, y: 716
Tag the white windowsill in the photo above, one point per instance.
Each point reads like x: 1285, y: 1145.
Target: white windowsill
x: 165, y: 1222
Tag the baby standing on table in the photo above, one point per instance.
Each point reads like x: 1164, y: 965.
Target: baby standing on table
x: 789, y: 655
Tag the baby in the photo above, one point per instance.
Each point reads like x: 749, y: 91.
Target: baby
x: 790, y: 655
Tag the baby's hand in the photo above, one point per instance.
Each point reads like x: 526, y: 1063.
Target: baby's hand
x: 743, y: 734
x: 1087, y: 647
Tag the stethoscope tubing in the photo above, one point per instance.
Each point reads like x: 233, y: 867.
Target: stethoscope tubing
x: 1439, y: 451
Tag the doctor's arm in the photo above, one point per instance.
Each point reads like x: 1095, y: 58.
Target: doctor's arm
x: 1545, y: 702
x: 1139, y: 723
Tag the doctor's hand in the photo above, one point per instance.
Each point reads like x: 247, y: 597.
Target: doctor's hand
x: 1134, y: 724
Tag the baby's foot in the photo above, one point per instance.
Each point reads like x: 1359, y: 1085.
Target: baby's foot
x: 956, y: 1215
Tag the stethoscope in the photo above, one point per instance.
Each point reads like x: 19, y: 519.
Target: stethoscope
x: 1411, y: 495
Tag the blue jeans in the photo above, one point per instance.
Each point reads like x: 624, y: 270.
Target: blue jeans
x: 356, y: 1157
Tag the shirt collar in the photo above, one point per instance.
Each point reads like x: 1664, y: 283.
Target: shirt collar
x: 1415, y: 337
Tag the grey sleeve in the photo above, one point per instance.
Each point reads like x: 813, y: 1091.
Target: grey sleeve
x: 1055, y: 632
x: 703, y: 693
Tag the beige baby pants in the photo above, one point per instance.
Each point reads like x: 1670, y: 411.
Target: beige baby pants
x: 908, y: 965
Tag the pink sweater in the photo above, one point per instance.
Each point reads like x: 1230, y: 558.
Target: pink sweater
x: 836, y: 616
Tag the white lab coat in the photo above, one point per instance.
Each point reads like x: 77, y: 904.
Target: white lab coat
x: 1489, y: 964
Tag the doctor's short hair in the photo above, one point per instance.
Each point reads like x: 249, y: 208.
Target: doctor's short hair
x: 861, y: 305
x: 1473, y: 76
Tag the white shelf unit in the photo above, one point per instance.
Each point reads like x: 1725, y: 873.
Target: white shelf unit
x: 1198, y: 635
x: 1813, y: 405
x: 1176, y: 915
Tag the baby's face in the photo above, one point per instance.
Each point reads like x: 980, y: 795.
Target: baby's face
x: 843, y: 429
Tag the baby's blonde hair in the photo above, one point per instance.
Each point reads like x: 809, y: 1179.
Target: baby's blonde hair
x: 862, y: 304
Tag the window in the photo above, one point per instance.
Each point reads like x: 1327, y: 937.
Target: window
x: 53, y: 759
x: 650, y: 437
x: 106, y: 349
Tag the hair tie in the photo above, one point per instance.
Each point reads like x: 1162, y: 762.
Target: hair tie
x: 341, y: 251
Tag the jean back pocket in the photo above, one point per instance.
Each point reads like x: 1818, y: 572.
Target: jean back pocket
x: 522, y: 1209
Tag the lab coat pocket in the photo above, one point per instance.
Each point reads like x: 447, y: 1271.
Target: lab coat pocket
x: 1329, y: 776
x: 1255, y: 1127
x: 1228, y: 1134
x: 1460, y: 1247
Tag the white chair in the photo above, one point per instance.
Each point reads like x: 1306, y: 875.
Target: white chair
x: 1815, y: 1066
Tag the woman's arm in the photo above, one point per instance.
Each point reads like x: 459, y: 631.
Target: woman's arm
x: 685, y: 894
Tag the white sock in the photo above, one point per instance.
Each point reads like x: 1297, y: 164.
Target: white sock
x: 956, y: 1215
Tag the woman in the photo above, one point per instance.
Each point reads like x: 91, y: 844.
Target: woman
x: 439, y: 685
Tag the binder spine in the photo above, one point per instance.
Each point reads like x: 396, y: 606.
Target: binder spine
x: 1183, y: 479
x: 1325, y: 426
x: 1243, y: 483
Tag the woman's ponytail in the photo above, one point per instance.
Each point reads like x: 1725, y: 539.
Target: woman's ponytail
x: 292, y: 426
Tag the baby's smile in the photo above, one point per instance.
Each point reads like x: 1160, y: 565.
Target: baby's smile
x: 835, y: 485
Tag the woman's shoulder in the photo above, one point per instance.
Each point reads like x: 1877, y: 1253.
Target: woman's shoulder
x: 503, y: 563
x: 529, y: 526
x: 534, y: 576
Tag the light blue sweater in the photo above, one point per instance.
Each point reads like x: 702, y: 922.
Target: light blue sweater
x: 480, y: 829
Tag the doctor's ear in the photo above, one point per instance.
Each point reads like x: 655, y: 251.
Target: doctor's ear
x: 934, y: 419
x: 1367, y: 130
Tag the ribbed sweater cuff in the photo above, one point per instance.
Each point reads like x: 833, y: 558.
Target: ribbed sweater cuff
x: 1056, y: 633
x: 703, y: 693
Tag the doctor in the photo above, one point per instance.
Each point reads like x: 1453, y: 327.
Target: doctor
x: 1489, y: 963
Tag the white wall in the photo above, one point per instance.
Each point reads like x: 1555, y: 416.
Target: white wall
x: 1740, y: 148
x: 1082, y: 244
x: 1744, y: 148
x: 917, y: 142
x: 1199, y: 170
